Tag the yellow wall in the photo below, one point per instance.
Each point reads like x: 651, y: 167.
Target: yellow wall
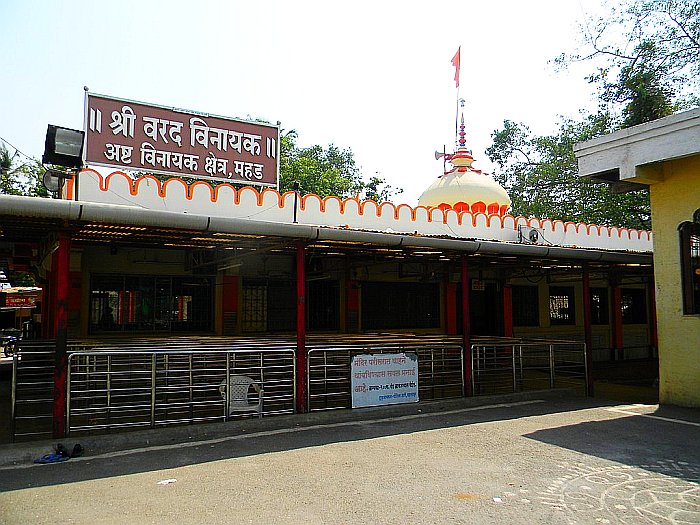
x: 673, y: 200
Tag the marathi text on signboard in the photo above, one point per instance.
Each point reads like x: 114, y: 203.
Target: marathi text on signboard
x: 384, y: 379
x: 17, y: 301
x: 142, y: 137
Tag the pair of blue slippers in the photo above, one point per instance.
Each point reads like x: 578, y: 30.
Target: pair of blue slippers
x: 61, y: 454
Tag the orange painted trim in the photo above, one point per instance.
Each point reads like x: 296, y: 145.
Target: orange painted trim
x: 428, y: 214
x: 250, y: 189
x: 411, y: 210
x: 213, y: 192
x: 463, y: 210
x: 70, y: 188
x: 280, y: 197
x: 364, y: 204
x: 383, y: 205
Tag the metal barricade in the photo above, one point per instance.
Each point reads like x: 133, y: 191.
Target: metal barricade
x: 518, y: 365
x: 440, y: 371
x: 144, y: 383
x: 154, y: 388
x: 32, y: 390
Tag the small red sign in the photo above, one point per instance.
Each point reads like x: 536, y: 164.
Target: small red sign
x: 19, y: 301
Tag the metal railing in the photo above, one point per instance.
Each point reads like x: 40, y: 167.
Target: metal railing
x: 440, y: 370
x: 146, y: 383
x: 32, y: 390
x: 138, y: 388
x: 504, y: 366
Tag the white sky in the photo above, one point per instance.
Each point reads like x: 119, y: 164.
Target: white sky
x: 373, y: 76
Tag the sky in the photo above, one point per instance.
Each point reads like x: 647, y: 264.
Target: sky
x: 372, y: 76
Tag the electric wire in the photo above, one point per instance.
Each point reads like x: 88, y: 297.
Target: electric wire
x: 17, y: 150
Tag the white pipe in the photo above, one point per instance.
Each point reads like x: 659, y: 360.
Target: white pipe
x: 34, y: 207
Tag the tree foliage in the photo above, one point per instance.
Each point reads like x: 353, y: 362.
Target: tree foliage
x: 540, y: 173
x: 323, y: 171
x: 647, y: 56
x: 20, y: 178
x: 646, y: 59
x: 327, y: 171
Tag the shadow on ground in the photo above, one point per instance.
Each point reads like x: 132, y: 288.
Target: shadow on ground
x: 664, y: 441
x: 143, y: 451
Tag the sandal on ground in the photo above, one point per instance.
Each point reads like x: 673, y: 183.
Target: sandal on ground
x: 51, y: 458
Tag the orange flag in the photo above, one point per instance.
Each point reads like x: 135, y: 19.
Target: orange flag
x: 455, y: 63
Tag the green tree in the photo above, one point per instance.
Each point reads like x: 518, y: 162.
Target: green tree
x: 378, y: 190
x: 647, y: 56
x: 326, y: 171
x: 8, y: 180
x: 20, y: 178
x: 642, y: 88
x: 323, y: 171
x: 540, y: 174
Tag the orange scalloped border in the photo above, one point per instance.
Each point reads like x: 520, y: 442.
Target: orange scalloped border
x: 491, y: 211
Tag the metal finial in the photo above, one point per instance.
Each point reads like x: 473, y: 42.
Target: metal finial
x: 462, y: 134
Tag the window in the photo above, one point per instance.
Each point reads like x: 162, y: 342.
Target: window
x: 254, y: 315
x: 323, y: 310
x: 561, y: 305
x: 633, y: 302
x: 690, y: 264
x: 143, y: 303
x: 387, y: 305
x: 269, y: 306
x: 525, y: 306
x: 599, y: 306
x: 281, y: 306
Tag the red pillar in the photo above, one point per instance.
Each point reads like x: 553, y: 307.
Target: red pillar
x: 507, y: 311
x: 301, y: 330
x: 61, y: 277
x: 47, y: 306
x: 588, y: 330
x: 229, y: 304
x: 617, y: 322
x: 352, y: 306
x: 466, y: 329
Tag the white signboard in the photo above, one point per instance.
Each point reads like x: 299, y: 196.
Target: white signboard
x: 384, y: 379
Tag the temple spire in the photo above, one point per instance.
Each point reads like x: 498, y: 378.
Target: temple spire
x: 461, y: 187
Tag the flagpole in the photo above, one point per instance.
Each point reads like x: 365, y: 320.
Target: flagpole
x: 457, y: 116
x: 456, y: 63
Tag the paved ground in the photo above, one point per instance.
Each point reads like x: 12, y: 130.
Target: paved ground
x: 537, y: 460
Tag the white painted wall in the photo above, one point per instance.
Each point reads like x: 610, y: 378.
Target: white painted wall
x: 226, y: 201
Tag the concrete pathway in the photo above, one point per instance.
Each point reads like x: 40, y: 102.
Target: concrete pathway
x: 531, y: 460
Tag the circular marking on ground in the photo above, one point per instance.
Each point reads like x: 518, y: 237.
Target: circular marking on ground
x: 664, y: 492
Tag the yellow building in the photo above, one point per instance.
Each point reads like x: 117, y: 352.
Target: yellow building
x: 665, y: 156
